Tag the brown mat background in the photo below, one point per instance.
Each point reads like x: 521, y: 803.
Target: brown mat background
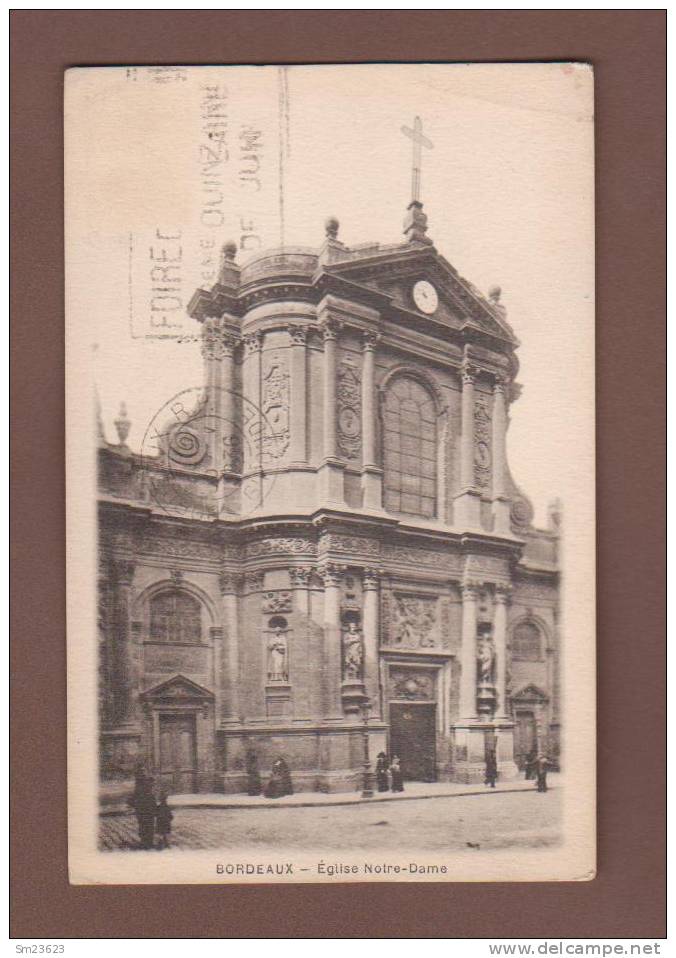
x: 627, y: 50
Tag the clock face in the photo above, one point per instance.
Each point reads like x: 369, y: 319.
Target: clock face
x: 425, y: 296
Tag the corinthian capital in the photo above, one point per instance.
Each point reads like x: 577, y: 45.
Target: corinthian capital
x: 300, y: 576
x: 469, y: 374
x: 502, y: 593
x: 370, y: 579
x: 297, y: 334
x: 229, y: 583
x: 253, y: 342
x: 331, y: 573
x: 125, y: 572
x: 330, y: 330
x: 369, y: 341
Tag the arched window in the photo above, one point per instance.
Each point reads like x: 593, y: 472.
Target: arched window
x: 410, y: 448
x: 175, y: 616
x: 527, y: 642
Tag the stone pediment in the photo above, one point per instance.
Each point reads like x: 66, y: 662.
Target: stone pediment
x: 530, y: 693
x: 178, y: 689
x: 393, y: 272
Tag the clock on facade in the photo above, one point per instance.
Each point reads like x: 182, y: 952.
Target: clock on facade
x: 425, y: 296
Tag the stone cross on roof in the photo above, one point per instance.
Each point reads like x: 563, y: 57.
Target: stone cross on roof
x: 419, y: 140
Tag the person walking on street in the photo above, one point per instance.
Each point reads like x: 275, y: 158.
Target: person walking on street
x: 396, y: 775
x: 145, y: 807
x: 541, y: 766
x: 382, y: 778
x: 491, y: 769
x: 163, y: 819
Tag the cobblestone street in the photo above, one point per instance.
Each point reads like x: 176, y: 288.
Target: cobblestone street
x: 484, y: 821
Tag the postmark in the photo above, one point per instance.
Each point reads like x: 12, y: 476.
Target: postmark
x: 208, y: 452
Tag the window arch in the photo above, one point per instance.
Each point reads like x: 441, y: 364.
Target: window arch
x: 526, y: 642
x: 175, y: 616
x: 410, y: 448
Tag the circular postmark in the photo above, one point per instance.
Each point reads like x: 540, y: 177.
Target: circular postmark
x: 210, y: 451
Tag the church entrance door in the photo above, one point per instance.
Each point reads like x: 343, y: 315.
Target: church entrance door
x: 178, y: 755
x: 413, y: 739
x: 525, y: 737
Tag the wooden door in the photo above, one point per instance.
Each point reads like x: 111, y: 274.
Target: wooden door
x: 178, y: 765
x: 525, y: 737
x: 413, y: 739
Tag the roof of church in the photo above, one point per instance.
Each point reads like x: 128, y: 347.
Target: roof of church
x: 371, y: 273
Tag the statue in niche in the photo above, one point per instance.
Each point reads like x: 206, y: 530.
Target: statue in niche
x: 353, y: 652
x: 277, y: 667
x: 485, y: 660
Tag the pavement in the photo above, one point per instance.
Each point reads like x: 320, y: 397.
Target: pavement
x: 401, y: 825
x: 412, y: 791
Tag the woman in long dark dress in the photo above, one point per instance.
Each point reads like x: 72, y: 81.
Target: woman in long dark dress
x: 254, y: 785
x: 145, y: 807
x: 491, y: 770
x: 396, y: 774
x: 382, y: 778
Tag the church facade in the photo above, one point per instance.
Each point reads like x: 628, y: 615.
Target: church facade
x: 322, y: 542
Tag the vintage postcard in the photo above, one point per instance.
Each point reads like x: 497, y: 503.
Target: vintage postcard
x: 330, y: 444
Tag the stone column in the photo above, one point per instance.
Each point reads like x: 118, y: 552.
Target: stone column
x: 298, y: 413
x: 300, y: 582
x: 500, y: 640
x: 501, y: 522
x: 252, y: 420
x: 468, y: 688
x: 372, y: 476
x: 330, y: 337
x: 332, y: 575
x: 332, y: 467
x: 468, y: 501
x: 216, y: 635
x: 305, y: 656
x: 230, y: 457
x: 126, y: 677
x: 230, y: 709
x: 371, y: 637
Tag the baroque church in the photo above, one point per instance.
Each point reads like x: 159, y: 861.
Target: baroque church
x: 323, y: 544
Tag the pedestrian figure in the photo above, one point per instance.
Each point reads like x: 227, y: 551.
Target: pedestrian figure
x: 382, y: 778
x: 145, y: 808
x: 530, y: 765
x: 541, y: 765
x: 163, y: 819
x: 491, y: 769
x: 280, y: 780
x: 254, y: 785
x: 396, y: 775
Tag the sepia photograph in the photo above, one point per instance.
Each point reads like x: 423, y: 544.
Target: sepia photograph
x: 330, y: 454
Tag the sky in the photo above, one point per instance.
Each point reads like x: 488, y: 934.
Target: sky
x: 163, y: 167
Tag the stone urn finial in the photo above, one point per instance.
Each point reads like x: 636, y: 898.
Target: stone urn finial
x: 332, y: 226
x: 122, y: 424
x: 229, y: 250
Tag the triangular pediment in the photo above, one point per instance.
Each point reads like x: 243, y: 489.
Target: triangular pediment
x: 178, y: 688
x: 393, y: 273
